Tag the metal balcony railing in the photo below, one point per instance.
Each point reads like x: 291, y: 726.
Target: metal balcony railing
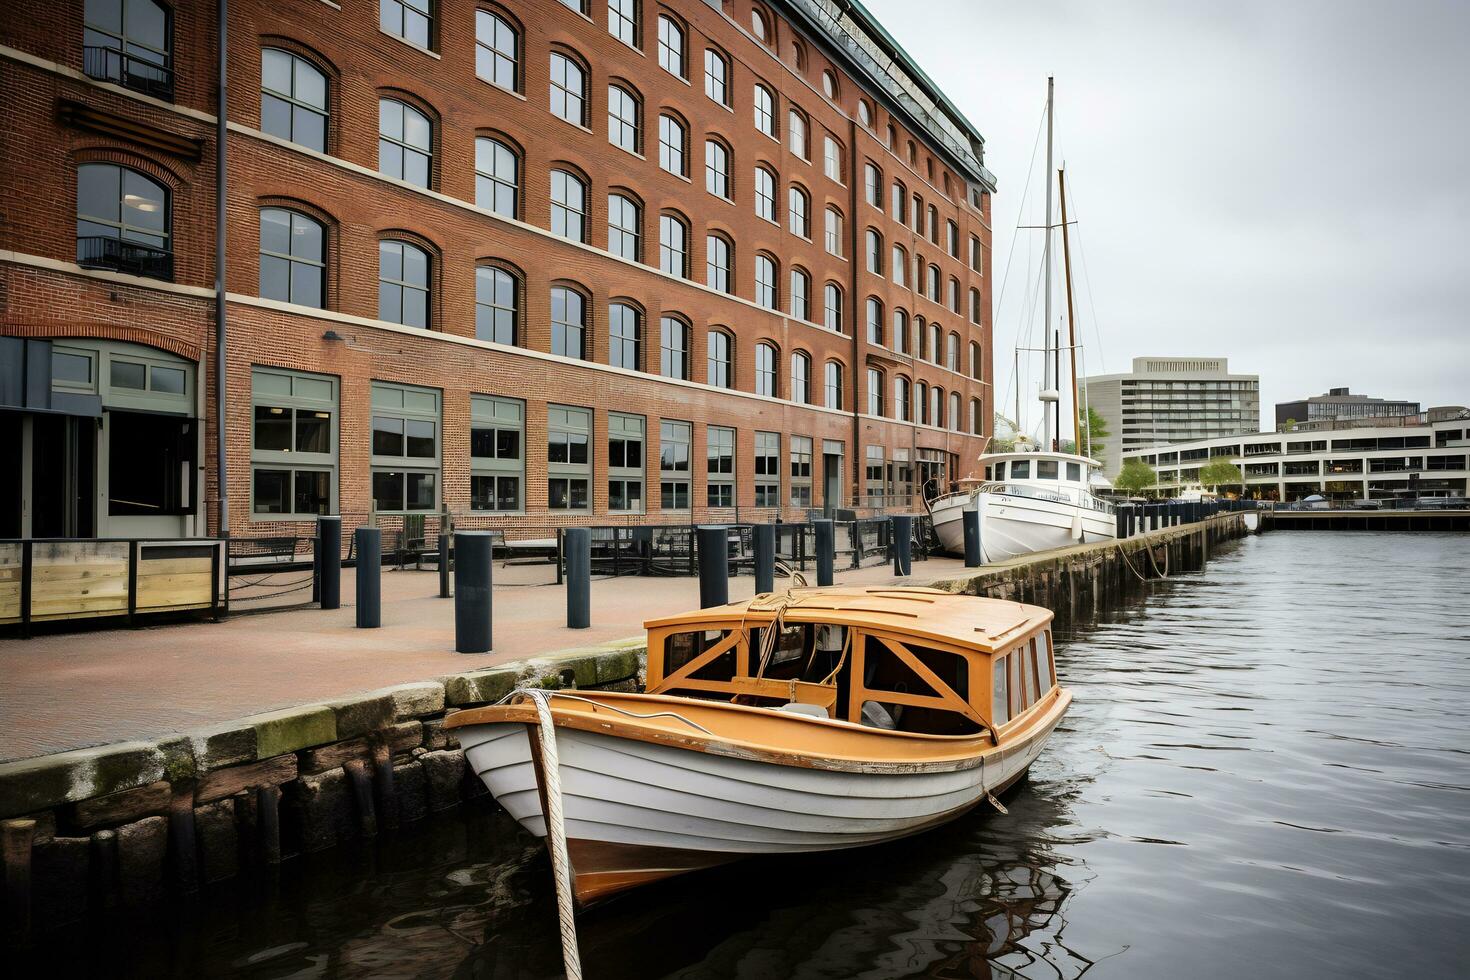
x: 129, y: 71
x: 117, y: 255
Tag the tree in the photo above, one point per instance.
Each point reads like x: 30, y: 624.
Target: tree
x: 1135, y: 477
x: 1097, y: 431
x: 1289, y: 425
x: 1220, y: 472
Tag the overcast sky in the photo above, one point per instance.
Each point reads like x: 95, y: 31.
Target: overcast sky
x: 1282, y: 183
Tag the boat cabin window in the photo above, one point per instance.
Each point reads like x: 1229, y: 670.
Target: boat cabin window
x: 1000, y: 471
x: 1074, y: 472
x: 1025, y: 674
x: 681, y: 648
x: 1020, y: 469
x: 1000, y: 697
x: 885, y: 671
x: 988, y: 471
x: 1045, y: 666
x: 1046, y: 469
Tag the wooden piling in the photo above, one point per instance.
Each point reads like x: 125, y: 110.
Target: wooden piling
x: 182, y: 842
x: 362, y: 795
x: 268, y: 823
x: 15, y: 850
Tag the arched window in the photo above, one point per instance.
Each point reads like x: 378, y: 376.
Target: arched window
x: 954, y: 295
x: 977, y: 417
x: 568, y: 206
x: 717, y: 76
x: 900, y: 331
x: 568, y: 89
x: 913, y: 153
x: 719, y: 355
x: 900, y: 263
x: 901, y: 398
x: 874, y: 252
x: 717, y: 262
x: 933, y: 223
x: 765, y: 281
x: 622, y: 21
x: 932, y: 285
x: 921, y: 339
x: 764, y: 104
x: 890, y: 138
x: 670, y: 46
x: 673, y: 245
x: 760, y: 25
x: 952, y: 235
x: 974, y: 305
x: 875, y: 321
x: 673, y: 343
x: 796, y: 125
x: 832, y: 386
x: 497, y: 50
x: 832, y: 158
x: 936, y: 332
x: 497, y: 177
x: 921, y: 402
x: 975, y: 360
x: 873, y: 185
x: 412, y: 20
x: 293, y: 99
x: 765, y: 194
x: 123, y: 222
x: 798, y: 55
x: 875, y: 392
x: 798, y: 211
x: 952, y: 353
x: 834, y: 231
x: 717, y: 168
x: 801, y: 293
x: 936, y: 406
x: 954, y: 410
x: 865, y: 113
x: 568, y: 322
x: 624, y: 128
x: 405, y: 143
x: 801, y: 378
x: 671, y: 137
x: 624, y: 227
x: 899, y: 202
x: 832, y: 307
x: 829, y: 85
x: 129, y: 42
x: 624, y: 336
x: 497, y: 305
x: 293, y: 257
x: 403, y: 284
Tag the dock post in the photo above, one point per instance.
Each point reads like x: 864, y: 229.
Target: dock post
x: 826, y: 545
x: 446, y: 545
x: 16, y: 838
x: 1121, y: 520
x: 329, y: 560
x: 971, y: 520
x: 579, y: 577
x: 369, y: 548
x: 472, y: 596
x: 714, y: 564
x: 903, y: 542
x: 765, y: 558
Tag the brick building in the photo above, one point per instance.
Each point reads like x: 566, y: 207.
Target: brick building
x: 526, y: 262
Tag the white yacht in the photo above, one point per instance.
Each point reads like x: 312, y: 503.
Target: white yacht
x: 1028, y: 501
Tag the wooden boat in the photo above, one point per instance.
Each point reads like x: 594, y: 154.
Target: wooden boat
x: 804, y: 721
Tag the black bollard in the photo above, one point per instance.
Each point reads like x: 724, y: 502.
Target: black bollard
x: 971, y: 519
x: 826, y: 550
x: 369, y: 547
x: 329, y: 560
x: 765, y: 558
x: 446, y: 546
x: 1120, y: 520
x: 472, y: 592
x: 903, y: 544
x: 577, y: 545
x: 714, y: 565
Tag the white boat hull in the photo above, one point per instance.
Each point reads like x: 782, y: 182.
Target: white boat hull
x: 1012, y: 525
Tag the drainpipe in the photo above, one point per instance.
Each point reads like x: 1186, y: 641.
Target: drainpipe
x: 857, y: 460
x: 220, y: 187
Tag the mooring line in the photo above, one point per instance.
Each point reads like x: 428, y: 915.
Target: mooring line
x: 556, y: 835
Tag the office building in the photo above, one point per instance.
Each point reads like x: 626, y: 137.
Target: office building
x: 1339, y: 403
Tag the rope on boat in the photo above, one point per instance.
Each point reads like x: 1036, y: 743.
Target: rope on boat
x: 611, y: 707
x: 556, y: 834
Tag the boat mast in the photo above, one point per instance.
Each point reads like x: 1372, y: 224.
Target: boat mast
x: 1046, y: 383
x: 1071, y: 316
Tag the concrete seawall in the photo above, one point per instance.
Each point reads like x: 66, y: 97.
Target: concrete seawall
x: 122, y: 825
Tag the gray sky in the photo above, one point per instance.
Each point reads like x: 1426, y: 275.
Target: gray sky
x: 1278, y: 182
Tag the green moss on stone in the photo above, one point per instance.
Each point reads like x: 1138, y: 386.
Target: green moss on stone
x: 278, y: 732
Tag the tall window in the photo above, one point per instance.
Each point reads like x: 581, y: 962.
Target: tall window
x: 568, y: 90
x: 405, y: 142
x: 875, y: 392
x: 568, y: 458
x: 900, y: 331
x: 293, y: 257
x: 293, y: 99
x: 673, y: 354
x: 874, y: 249
x: 952, y: 238
x: 717, y: 262
x: 801, y: 378
x: 935, y: 332
x: 976, y: 417
x: 933, y: 224
x: 833, y: 385
x: 624, y: 227
x: 832, y: 158
x: 405, y: 458
x: 936, y: 406
x: 765, y: 110
x: 759, y: 26
x: 974, y: 305
x: 671, y: 145
x: 403, y: 284
x: 796, y: 123
x: 625, y: 453
x: 129, y: 42
x: 899, y: 203
x: 901, y: 399
x: 974, y: 253
x: 673, y: 245
x: 294, y: 446
x: 497, y: 305
x: 497, y: 50
x: 873, y: 185
x: 622, y: 21
x: 801, y: 294
x: 900, y: 263
x: 716, y: 76
x: 829, y: 85
x: 497, y: 176
x: 834, y: 231
x: 975, y: 360
x: 765, y: 193
x: 673, y: 464
x: 670, y: 46
x: 765, y: 281
x: 568, y: 322
x: 801, y: 471
x: 832, y: 307
x: 568, y: 206
x: 123, y: 222
x: 623, y: 129
x: 768, y: 469
x: 720, y: 367
x: 717, y: 168
x: 874, y: 478
x: 497, y: 459
x: 765, y: 370
x: 798, y: 210
x: 921, y: 401
x: 954, y: 411
x: 931, y: 284
x: 624, y: 336
x: 875, y: 321
x: 954, y: 294
x: 411, y: 20
x: 952, y: 352
x: 720, y: 466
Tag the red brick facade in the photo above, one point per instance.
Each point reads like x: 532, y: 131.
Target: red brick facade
x: 44, y: 294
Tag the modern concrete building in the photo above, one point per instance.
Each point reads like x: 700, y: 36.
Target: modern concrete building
x: 1171, y: 399
x: 1344, y: 459
x: 527, y: 261
x: 1339, y: 403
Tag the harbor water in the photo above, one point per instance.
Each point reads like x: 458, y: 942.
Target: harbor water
x: 1265, y: 773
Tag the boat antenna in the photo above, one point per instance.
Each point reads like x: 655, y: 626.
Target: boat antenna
x: 1071, y: 316
x: 1046, y: 384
